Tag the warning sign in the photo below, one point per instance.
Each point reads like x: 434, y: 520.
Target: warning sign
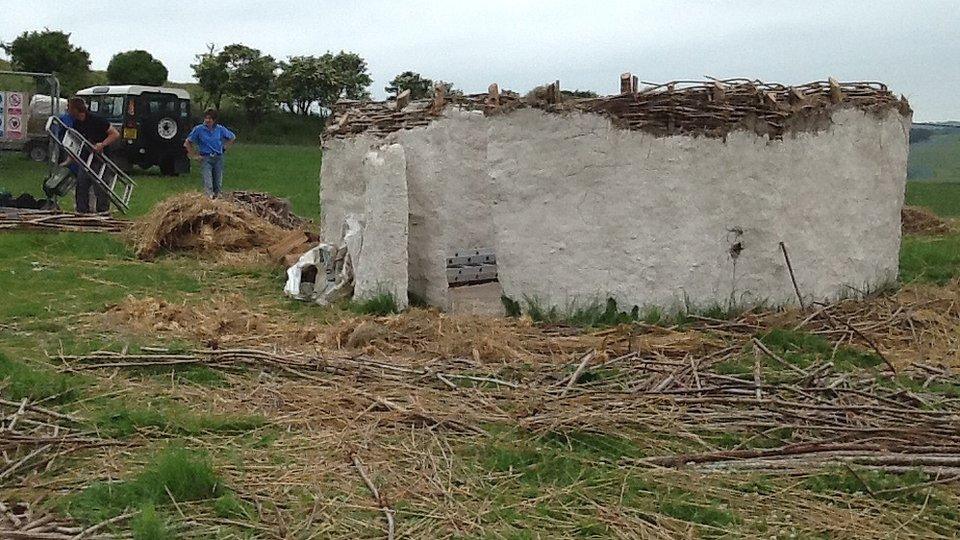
x: 14, y: 103
x: 13, y: 115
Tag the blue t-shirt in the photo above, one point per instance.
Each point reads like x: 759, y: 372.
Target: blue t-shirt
x: 209, y: 141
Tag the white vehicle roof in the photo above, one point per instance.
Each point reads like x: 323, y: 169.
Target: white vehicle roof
x: 132, y: 89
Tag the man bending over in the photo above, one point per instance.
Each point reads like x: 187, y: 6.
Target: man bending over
x: 101, y: 135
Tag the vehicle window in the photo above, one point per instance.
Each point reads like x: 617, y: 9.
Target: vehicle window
x: 154, y: 106
x: 107, y: 106
x: 184, y: 109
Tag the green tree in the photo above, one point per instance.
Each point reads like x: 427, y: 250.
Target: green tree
x: 136, y: 67
x: 418, y: 86
x: 304, y: 81
x: 212, y: 76
x: 50, y: 51
x: 252, y: 79
x: 349, y: 72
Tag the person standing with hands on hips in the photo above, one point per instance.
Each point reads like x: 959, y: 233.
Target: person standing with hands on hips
x: 101, y: 135
x: 207, y: 142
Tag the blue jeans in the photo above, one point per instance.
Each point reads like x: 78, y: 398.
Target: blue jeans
x: 211, y: 169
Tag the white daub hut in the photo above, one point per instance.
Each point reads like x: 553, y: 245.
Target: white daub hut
x: 684, y: 194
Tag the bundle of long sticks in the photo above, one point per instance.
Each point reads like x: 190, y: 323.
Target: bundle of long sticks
x: 49, y: 220
x: 832, y: 414
x: 710, y: 108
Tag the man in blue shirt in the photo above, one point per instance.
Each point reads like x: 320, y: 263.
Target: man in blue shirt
x: 207, y: 143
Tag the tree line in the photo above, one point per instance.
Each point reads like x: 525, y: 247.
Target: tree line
x: 255, y: 82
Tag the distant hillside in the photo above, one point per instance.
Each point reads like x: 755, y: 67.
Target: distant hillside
x: 935, y: 152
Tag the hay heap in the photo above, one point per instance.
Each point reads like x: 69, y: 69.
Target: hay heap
x: 192, y: 221
x: 711, y: 108
x: 920, y: 220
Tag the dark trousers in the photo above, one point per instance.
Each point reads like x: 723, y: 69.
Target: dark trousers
x: 84, y: 184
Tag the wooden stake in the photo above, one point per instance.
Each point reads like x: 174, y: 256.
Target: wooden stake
x: 793, y: 278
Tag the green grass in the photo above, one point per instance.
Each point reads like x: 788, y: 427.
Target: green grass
x: 936, y: 159
x: 380, y: 305
x: 116, y: 419
x: 881, y: 484
x: 571, y: 473
x: 19, y: 380
x: 46, y: 275
x: 591, y: 314
x: 291, y: 172
x: 941, y: 197
x: 174, y: 472
x: 150, y: 525
x: 801, y: 349
x: 930, y: 259
x: 230, y: 507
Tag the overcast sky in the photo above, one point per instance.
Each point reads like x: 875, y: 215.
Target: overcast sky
x: 912, y: 45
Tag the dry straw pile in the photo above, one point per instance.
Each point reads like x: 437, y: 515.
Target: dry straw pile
x: 194, y: 222
x: 919, y: 220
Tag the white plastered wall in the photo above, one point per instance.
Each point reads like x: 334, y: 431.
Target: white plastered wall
x: 578, y: 210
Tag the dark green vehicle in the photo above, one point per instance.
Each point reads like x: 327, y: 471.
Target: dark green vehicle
x: 153, y: 123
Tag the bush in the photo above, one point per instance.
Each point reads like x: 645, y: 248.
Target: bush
x: 275, y: 127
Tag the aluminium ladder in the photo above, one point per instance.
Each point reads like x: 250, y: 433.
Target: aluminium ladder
x: 105, y: 172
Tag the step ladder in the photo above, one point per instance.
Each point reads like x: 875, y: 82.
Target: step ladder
x: 105, y: 172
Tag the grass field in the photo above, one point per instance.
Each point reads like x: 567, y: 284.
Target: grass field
x: 936, y: 159
x: 292, y: 172
x: 247, y: 454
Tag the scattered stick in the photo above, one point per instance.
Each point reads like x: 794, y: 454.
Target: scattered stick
x: 387, y: 511
x: 579, y: 371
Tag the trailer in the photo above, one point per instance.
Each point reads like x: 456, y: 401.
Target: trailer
x: 23, y: 115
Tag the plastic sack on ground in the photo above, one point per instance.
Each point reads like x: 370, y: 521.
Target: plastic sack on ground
x: 325, y: 273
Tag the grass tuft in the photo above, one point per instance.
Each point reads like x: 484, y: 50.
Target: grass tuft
x: 511, y: 306
x: 186, y: 475
x: 149, y: 525
x: 380, y: 305
x: 230, y: 507
x: 594, y: 314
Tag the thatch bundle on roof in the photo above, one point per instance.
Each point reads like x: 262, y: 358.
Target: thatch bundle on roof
x: 709, y: 108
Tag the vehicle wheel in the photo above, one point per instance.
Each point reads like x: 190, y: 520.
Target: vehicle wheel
x: 168, y: 166
x: 38, y: 153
